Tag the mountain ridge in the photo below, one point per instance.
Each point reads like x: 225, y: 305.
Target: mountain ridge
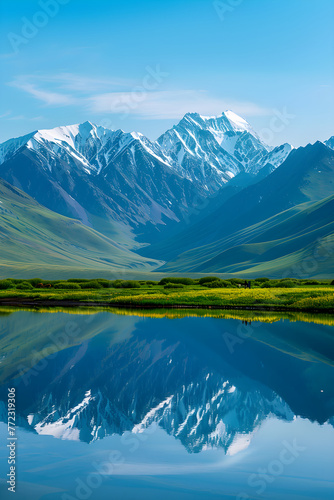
x: 204, y: 179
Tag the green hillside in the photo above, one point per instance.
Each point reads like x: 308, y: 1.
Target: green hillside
x: 37, y: 241
x: 306, y: 176
x: 297, y: 242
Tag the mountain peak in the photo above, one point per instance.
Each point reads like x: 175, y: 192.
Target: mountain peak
x: 236, y: 122
x: 193, y: 117
x: 228, y: 121
x: 137, y: 135
x: 87, y: 125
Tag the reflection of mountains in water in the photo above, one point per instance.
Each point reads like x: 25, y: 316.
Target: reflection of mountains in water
x: 181, y: 375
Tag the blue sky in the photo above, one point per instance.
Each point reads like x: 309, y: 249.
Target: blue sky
x: 141, y: 65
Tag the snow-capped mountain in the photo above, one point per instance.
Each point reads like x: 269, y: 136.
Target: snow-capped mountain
x: 99, y: 176
x: 118, y: 182
x: 93, y: 146
x: 215, y: 149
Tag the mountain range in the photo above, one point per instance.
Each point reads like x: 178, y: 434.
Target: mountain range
x: 206, y: 186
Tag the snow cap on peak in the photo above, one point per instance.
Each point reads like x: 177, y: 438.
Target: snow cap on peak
x: 237, y: 122
x: 194, y: 117
x: 228, y: 120
x: 191, y: 115
x: 137, y: 135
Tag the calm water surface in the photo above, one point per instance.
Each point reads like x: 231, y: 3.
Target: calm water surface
x: 121, y: 406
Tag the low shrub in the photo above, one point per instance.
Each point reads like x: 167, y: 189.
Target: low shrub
x: 182, y: 281
x: 125, y: 284
x: 151, y: 282
x: 116, y: 283
x: 5, y: 284
x: 262, y: 280
x: 236, y: 281
x: 287, y: 284
x: 24, y: 285
x: 67, y: 286
x: 91, y: 284
x: 77, y: 280
x: 130, y: 284
x: 207, y: 279
x: 105, y: 283
x: 219, y: 284
x: 35, y: 281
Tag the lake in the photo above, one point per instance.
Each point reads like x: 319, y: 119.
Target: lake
x: 153, y: 405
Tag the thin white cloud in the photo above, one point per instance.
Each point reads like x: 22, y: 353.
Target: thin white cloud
x: 37, y: 118
x: 67, y: 89
x: 23, y: 117
x: 4, y: 115
x: 46, y: 96
x: 72, y: 82
x: 17, y: 117
x: 85, y: 84
x: 161, y: 105
x: 8, y: 55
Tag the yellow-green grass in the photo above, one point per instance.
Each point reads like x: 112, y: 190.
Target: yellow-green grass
x: 303, y: 298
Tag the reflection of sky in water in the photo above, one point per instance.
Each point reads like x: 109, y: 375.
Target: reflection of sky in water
x: 155, y: 466
x: 208, y: 422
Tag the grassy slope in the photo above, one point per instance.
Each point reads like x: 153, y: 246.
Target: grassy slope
x: 259, y: 233
x: 297, y: 241
x: 306, y: 176
x: 34, y: 239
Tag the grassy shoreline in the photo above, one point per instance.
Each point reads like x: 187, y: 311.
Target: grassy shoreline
x: 264, y: 295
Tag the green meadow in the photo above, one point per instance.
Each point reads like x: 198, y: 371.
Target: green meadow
x: 285, y: 294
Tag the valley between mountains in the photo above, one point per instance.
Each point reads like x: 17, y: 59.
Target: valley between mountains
x: 209, y: 196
